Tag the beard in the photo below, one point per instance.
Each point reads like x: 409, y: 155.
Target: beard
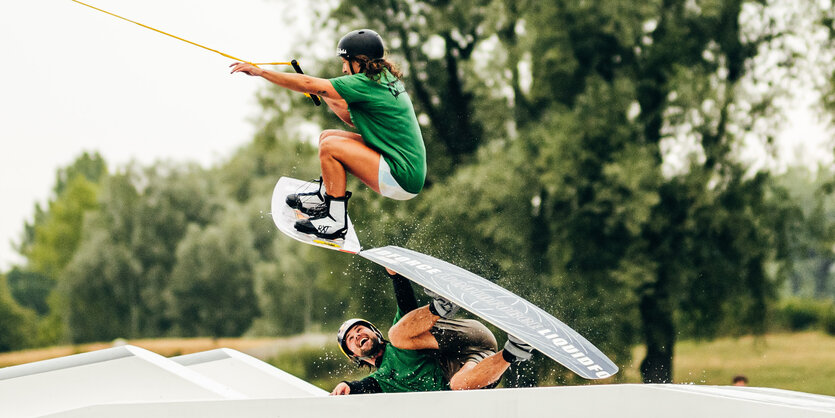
x: 370, y: 347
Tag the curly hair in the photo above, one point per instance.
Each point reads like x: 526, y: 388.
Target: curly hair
x: 374, y: 67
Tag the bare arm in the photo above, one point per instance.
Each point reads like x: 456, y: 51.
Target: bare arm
x: 340, y: 108
x: 301, y: 83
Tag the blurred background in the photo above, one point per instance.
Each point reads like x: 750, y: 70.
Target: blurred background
x: 657, y: 174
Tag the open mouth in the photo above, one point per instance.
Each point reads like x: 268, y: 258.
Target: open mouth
x: 363, y: 341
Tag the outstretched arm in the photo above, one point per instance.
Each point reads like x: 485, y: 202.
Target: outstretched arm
x: 301, y: 83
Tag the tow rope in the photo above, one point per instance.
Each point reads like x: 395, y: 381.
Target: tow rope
x: 292, y: 63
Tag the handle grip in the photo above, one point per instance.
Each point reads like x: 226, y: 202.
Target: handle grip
x: 298, y: 69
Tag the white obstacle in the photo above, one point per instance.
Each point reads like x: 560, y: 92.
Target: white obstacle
x: 248, y: 375
x: 129, y: 382
x: 595, y: 401
x: 119, y: 374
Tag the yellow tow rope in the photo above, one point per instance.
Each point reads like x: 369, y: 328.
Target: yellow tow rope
x: 293, y: 63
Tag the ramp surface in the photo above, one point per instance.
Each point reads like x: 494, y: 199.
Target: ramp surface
x: 119, y: 374
x: 129, y: 382
x: 248, y: 375
x: 595, y: 401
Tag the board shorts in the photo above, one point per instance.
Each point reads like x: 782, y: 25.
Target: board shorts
x: 388, y: 185
x: 460, y: 341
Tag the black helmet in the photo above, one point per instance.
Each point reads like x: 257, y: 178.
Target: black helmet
x: 361, y: 42
x: 343, y: 330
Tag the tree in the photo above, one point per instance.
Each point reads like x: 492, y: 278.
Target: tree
x: 30, y: 290
x: 211, y: 291
x: 15, y: 321
x: 57, y: 238
x: 114, y: 284
x: 52, y: 238
x: 48, y: 242
x: 813, y: 238
x: 101, y: 291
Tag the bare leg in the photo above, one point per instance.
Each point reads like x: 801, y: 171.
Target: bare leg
x: 478, y: 375
x: 412, y: 331
x: 327, y: 133
x: 340, y: 153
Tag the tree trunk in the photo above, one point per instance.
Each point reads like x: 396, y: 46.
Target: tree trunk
x: 659, y: 332
x: 822, y: 278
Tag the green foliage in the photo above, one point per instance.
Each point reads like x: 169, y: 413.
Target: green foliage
x: 211, y: 290
x: 812, y: 239
x: 57, y: 238
x: 80, y: 178
x: 30, y: 289
x: 828, y: 321
x: 50, y: 242
x: 795, y: 314
x: 115, y: 283
x: 100, y: 291
x: 15, y: 321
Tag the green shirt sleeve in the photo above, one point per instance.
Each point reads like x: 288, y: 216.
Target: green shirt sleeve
x: 350, y: 87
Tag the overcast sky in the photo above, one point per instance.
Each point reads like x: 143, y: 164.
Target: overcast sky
x: 74, y: 79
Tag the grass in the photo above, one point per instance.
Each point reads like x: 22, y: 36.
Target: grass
x: 802, y: 362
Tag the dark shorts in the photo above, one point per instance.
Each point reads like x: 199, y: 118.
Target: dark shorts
x: 460, y: 341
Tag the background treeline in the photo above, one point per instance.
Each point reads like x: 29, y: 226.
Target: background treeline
x: 593, y: 157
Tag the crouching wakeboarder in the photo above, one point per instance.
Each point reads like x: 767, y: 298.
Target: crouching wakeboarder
x: 386, y: 153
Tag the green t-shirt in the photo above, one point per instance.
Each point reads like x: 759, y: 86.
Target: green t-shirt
x: 382, y: 112
x: 409, y: 370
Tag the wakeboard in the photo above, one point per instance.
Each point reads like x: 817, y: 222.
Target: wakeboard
x: 500, y: 307
x: 285, y: 217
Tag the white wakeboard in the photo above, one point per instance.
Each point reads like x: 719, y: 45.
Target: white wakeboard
x: 285, y: 217
x: 500, y: 307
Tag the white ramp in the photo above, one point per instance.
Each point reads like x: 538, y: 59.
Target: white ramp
x: 248, y: 375
x: 597, y: 401
x: 129, y: 382
x: 115, y: 375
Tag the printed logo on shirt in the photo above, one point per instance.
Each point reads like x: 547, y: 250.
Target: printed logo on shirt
x: 396, y: 87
